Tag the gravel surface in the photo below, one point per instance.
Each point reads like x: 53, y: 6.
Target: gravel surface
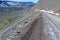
x: 43, y: 29
x: 35, y: 31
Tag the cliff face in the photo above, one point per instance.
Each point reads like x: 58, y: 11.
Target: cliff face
x: 50, y: 4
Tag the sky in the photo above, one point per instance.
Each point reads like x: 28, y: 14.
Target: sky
x: 35, y: 1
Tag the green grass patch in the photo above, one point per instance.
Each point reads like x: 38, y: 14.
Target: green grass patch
x: 9, y: 19
x: 3, y: 24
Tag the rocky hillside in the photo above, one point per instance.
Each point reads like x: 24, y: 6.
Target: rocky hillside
x: 13, y: 9
x: 11, y: 5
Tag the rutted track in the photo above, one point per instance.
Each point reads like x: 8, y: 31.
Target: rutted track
x: 35, y: 31
x: 51, y: 30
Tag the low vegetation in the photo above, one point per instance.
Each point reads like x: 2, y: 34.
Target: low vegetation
x: 9, y: 19
x: 5, y: 22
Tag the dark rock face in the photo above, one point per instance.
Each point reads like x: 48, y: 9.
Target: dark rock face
x: 15, y: 4
x: 6, y: 6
